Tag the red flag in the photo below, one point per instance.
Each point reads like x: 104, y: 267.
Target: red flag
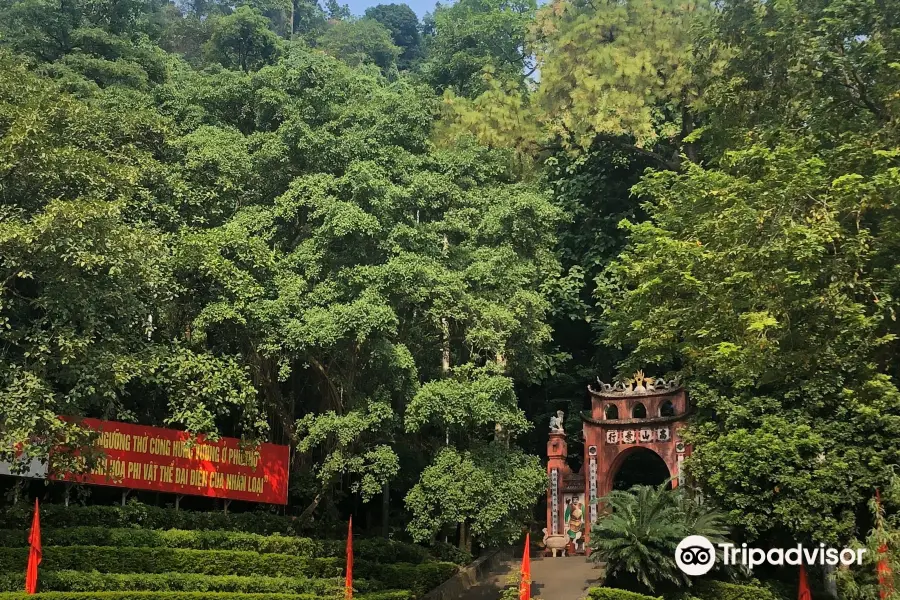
x: 525, y: 583
x: 885, y: 575
x: 35, y: 554
x: 348, y: 582
x: 804, y: 593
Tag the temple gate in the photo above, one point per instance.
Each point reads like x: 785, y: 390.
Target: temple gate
x: 642, y: 414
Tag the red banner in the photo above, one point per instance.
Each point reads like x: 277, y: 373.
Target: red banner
x: 165, y: 460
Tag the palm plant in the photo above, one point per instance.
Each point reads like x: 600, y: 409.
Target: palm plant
x: 643, y: 526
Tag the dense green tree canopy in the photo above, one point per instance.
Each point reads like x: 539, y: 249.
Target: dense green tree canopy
x: 471, y: 36
x: 403, y: 24
x: 268, y: 247
x: 764, y: 278
x: 243, y: 40
x: 359, y: 42
x: 398, y: 247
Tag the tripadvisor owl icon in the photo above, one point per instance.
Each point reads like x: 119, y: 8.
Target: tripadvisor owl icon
x: 695, y: 555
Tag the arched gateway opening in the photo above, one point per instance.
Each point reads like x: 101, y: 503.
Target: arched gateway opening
x: 632, y: 436
x: 639, y: 466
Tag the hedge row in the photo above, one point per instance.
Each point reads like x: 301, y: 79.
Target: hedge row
x: 136, y: 515
x: 449, y: 553
x: 702, y: 590
x: 169, y: 560
x: 719, y: 590
x: 378, y: 550
x: 604, y: 593
x: 386, y: 595
x: 165, y: 538
x: 419, y: 578
x: 81, y: 581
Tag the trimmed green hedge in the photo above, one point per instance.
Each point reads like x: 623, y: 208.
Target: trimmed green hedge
x: 449, y: 553
x: 158, y: 596
x: 82, y: 581
x: 166, y: 538
x: 374, y: 549
x: 603, y: 593
x: 719, y: 590
x: 387, y: 595
x: 377, y: 550
x: 702, y: 590
x: 169, y: 560
x: 418, y: 578
x: 136, y: 515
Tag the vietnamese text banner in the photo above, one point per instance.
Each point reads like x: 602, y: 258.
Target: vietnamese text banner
x: 166, y: 460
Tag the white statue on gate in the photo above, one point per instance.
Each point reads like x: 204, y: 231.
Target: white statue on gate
x: 556, y: 423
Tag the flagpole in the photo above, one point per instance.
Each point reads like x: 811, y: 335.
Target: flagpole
x: 348, y: 582
x: 803, y: 592
x: 525, y: 582
x: 883, y: 568
x: 35, y: 553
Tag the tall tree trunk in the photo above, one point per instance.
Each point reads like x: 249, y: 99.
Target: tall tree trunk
x: 687, y: 127
x: 308, y: 511
x: 463, y: 532
x: 831, y: 590
x: 445, y: 339
x: 445, y: 346
x: 500, y: 434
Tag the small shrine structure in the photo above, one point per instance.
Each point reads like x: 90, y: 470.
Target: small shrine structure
x: 637, y: 415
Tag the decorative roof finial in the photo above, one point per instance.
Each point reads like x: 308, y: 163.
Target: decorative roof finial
x: 637, y: 385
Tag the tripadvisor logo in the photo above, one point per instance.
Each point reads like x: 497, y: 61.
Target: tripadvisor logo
x: 696, y: 555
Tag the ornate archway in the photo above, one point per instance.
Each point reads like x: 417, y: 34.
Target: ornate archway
x: 637, y: 465
x: 653, y: 412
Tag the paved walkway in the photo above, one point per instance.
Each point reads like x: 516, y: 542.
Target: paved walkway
x: 562, y: 578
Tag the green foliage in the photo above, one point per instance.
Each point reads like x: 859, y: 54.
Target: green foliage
x: 337, y: 11
x: 167, y: 538
x: 629, y: 76
x: 719, y: 590
x: 637, y: 538
x: 767, y: 278
x: 403, y: 25
x: 85, y: 520
x: 449, y: 553
x: 82, y: 283
x: 467, y: 403
x: 490, y: 488
x: 359, y: 42
x: 374, y: 549
x: 243, y: 40
x: 380, y: 550
x: 419, y: 579
x: 385, y: 595
x: 371, y: 468
x: 121, y: 560
x: 881, y: 544
x: 822, y: 71
x: 198, y: 245
x: 473, y: 35
x: 650, y: 44
x: 605, y: 593
x: 86, y: 581
x: 154, y: 596
x: 109, y: 559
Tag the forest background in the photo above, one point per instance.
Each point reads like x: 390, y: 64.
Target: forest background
x: 399, y: 246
